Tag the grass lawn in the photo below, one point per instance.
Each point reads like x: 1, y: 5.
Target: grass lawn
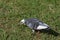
x: 12, y: 11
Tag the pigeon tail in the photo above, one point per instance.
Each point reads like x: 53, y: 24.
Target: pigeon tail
x: 50, y: 31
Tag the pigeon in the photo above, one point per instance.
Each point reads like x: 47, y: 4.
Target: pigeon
x: 35, y: 24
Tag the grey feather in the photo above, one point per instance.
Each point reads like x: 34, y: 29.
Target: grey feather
x: 33, y: 23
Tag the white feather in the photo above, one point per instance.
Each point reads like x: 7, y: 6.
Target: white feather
x: 22, y: 21
x: 41, y: 27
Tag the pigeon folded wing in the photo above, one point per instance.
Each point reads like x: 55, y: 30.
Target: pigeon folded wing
x: 41, y: 27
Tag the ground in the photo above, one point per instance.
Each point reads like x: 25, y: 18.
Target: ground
x: 12, y: 11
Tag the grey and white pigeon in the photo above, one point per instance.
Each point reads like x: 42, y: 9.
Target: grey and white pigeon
x: 34, y: 24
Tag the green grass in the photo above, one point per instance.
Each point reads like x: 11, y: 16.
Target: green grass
x: 12, y: 11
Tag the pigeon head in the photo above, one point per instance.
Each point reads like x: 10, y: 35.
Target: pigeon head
x: 22, y: 21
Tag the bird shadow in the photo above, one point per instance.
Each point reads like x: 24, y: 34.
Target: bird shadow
x: 49, y: 32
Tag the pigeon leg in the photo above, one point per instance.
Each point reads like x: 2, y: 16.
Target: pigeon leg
x: 33, y: 31
x: 38, y: 35
x: 38, y: 32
